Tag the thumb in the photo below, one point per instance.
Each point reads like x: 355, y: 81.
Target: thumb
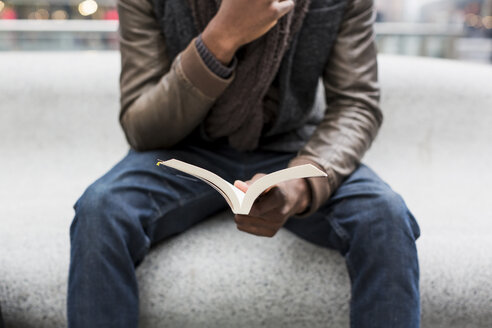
x: 283, y: 7
x: 241, y: 185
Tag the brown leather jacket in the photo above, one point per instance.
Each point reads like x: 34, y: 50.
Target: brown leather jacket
x: 163, y: 101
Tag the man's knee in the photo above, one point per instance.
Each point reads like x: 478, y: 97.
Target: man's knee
x: 396, y: 216
x: 93, y: 197
x: 388, y: 222
x: 103, y: 224
x: 92, y: 221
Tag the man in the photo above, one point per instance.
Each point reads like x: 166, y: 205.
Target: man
x: 233, y: 87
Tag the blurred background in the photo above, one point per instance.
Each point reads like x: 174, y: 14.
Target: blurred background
x: 456, y: 29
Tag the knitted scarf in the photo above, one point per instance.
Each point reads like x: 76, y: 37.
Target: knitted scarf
x: 238, y: 112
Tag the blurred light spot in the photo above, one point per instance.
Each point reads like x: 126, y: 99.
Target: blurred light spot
x: 43, y: 13
x: 8, y: 13
x: 59, y: 14
x: 487, y: 22
x: 39, y: 14
x: 2, y: 5
x: 472, y: 20
x: 87, y: 7
x: 111, y: 14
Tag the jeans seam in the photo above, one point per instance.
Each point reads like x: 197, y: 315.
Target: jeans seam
x: 339, y: 230
x: 156, y: 205
x: 341, y: 233
x: 140, y: 255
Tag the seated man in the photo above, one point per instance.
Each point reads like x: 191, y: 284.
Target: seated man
x: 234, y: 87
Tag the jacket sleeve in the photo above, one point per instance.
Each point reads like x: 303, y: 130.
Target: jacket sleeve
x: 161, y: 101
x: 352, y: 116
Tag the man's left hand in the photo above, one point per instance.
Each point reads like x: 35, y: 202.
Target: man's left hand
x: 272, y: 209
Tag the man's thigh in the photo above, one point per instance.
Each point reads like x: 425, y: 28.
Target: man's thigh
x: 362, y: 203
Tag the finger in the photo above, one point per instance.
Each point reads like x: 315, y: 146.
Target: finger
x: 241, y: 185
x: 267, y: 202
x: 257, y: 231
x: 255, y: 177
x: 246, y: 220
x: 283, y: 7
x: 278, y: 215
x: 267, y: 190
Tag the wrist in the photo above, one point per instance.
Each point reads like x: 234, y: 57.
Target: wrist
x: 304, y: 192
x: 219, y: 43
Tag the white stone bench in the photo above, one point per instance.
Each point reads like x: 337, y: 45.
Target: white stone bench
x: 59, y: 132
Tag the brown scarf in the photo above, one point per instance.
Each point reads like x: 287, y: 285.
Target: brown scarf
x: 238, y: 112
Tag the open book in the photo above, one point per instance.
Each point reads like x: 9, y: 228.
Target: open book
x: 239, y: 201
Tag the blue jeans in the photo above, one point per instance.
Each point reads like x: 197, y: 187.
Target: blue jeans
x: 137, y: 204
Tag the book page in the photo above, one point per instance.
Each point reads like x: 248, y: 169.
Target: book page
x: 269, y: 180
x: 232, y: 195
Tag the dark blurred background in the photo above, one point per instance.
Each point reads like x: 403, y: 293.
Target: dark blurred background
x: 457, y: 29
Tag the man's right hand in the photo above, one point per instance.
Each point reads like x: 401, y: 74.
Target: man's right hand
x: 239, y: 22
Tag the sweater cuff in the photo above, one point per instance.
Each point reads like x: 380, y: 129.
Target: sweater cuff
x: 199, y: 75
x: 212, y: 62
x: 320, y: 187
